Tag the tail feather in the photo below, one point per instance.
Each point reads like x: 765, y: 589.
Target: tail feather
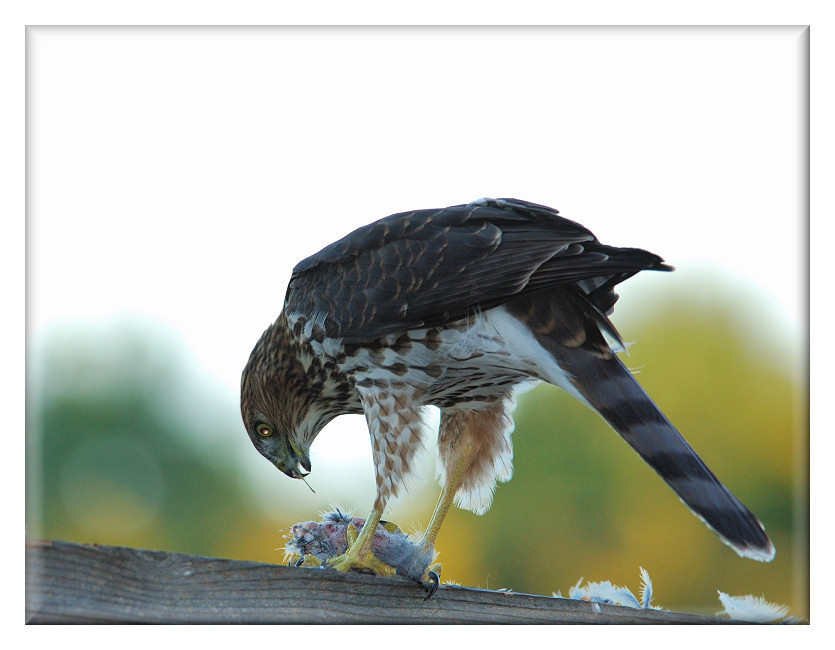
x: 611, y: 390
x: 567, y: 325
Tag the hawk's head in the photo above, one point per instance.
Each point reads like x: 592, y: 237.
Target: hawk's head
x: 276, y: 403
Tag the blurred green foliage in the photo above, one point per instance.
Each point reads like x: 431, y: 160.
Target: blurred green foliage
x: 124, y: 449
x: 111, y: 460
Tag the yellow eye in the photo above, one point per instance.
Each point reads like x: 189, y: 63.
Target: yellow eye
x: 264, y: 430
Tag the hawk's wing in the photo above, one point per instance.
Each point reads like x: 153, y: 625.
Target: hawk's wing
x: 427, y: 267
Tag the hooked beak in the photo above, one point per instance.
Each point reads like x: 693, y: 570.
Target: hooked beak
x: 293, y: 458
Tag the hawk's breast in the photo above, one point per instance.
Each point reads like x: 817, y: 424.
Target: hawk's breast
x: 468, y: 363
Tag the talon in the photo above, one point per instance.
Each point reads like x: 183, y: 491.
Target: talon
x: 354, y: 558
x: 358, y: 554
x: 311, y: 561
x: 352, y: 534
x: 369, y: 561
x: 390, y: 527
x: 435, y: 581
x: 306, y: 560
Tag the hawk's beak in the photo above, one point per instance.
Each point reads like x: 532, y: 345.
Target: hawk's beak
x: 293, y: 458
x: 304, y: 461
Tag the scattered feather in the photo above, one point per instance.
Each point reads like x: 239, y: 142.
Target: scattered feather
x: 738, y: 608
x: 608, y: 594
x: 604, y: 592
x: 752, y: 609
x: 646, y: 589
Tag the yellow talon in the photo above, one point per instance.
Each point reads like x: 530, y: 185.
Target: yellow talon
x: 359, y: 555
x: 351, y: 534
x: 391, y: 527
x: 306, y: 560
x: 433, y: 568
x: 369, y: 561
x: 352, y: 559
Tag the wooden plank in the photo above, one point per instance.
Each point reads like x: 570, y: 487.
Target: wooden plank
x: 84, y: 583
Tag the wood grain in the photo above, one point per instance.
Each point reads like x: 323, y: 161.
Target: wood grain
x: 88, y: 583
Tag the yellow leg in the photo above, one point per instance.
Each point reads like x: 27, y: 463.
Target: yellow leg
x: 359, y: 555
x: 454, y: 480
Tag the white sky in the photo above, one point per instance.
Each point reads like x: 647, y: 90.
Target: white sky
x: 179, y: 174
x: 182, y: 173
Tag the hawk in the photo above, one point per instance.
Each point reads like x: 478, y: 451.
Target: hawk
x: 461, y: 308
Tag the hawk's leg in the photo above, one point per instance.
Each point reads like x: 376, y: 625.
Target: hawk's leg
x: 393, y: 414
x: 474, y: 450
x: 455, y: 478
x: 445, y: 501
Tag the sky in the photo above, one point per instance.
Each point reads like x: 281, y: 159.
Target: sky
x: 177, y: 175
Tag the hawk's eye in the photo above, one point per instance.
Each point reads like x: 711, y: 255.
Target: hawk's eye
x: 264, y: 430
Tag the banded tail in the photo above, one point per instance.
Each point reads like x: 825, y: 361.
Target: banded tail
x: 568, y: 326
